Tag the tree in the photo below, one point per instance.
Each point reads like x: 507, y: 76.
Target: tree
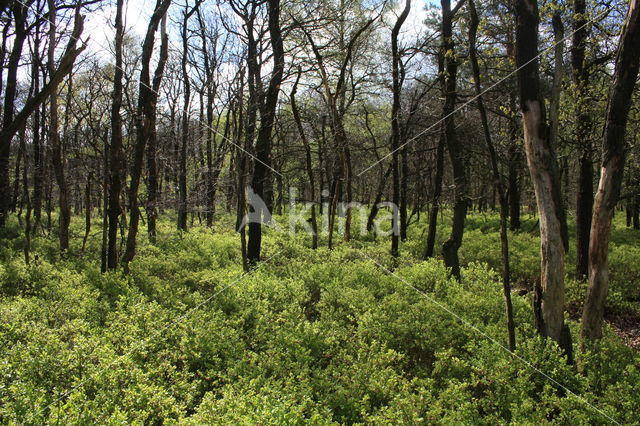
x: 542, y: 165
x: 460, y: 182
x: 259, y: 183
x: 12, y: 121
x: 584, y: 202
x: 308, y: 159
x: 116, y: 156
x: 145, y: 119
x: 611, y: 171
x: 395, y: 126
x: 495, y: 170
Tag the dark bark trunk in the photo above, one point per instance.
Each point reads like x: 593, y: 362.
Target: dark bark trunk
x: 450, y: 246
x: 145, y: 120
x: 404, y: 189
x: 308, y: 161
x: 55, y: 141
x: 584, y: 201
x: 11, y: 121
x: 395, y: 129
x: 435, y: 200
x: 116, y: 156
x: 186, y: 82
x: 37, y: 124
x: 20, y: 34
x: 378, y: 198
x: 105, y: 202
x: 26, y: 199
x: 497, y: 178
x: 260, y: 183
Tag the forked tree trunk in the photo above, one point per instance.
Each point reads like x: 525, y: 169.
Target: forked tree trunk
x: 184, y: 138
x: 145, y: 120
x: 260, y: 182
x: 611, y: 171
x: 544, y: 176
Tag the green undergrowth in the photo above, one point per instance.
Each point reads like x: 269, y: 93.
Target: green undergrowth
x: 311, y: 336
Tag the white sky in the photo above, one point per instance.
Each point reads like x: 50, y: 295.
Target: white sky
x: 99, y: 25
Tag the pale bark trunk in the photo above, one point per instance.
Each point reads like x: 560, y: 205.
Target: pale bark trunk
x: 544, y: 176
x: 611, y: 172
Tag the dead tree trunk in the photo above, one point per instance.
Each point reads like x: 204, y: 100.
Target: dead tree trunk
x: 541, y: 160
x: 613, y: 158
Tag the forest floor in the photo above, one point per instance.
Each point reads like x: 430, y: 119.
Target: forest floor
x: 340, y: 336
x: 628, y: 328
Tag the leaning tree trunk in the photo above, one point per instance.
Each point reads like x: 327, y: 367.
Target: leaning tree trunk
x: 613, y: 158
x: 541, y: 160
x: 145, y: 120
x: 11, y: 121
x: 308, y: 162
x: 497, y: 178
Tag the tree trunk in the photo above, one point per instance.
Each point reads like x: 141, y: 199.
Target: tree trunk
x: 435, y: 201
x: 37, y: 125
x: 378, y: 198
x: 497, y: 178
x: 11, y: 121
x: 544, y: 176
x: 308, y: 162
x: 145, y: 120
x: 260, y: 183
x: 54, y: 139
x: 611, y: 171
x: 395, y: 128
x: 450, y: 246
x: 116, y: 156
x: 182, y: 167
x: 584, y: 201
